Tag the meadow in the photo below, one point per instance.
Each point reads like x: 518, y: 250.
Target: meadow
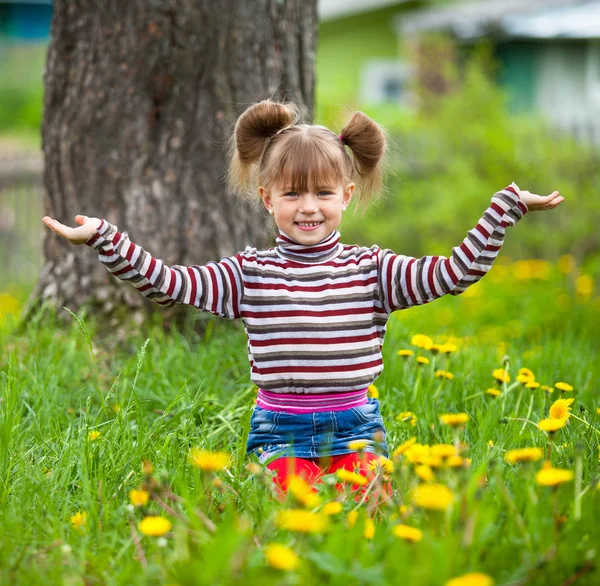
x: 122, y: 450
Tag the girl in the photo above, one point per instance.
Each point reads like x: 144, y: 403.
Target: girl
x: 314, y: 309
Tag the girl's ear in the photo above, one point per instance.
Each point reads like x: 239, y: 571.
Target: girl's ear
x: 264, y: 195
x: 348, y: 191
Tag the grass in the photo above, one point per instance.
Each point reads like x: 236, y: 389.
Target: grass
x: 152, y: 396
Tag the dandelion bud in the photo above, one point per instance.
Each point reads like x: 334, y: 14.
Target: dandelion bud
x: 503, y: 420
x: 505, y: 360
x: 581, y: 408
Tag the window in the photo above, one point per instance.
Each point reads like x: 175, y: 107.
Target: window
x: 384, y: 81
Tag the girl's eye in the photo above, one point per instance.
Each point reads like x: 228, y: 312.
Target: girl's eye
x: 325, y: 193
x: 292, y: 193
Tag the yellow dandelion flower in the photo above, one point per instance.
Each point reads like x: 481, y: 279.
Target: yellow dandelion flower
x: 405, y: 353
x: 444, y: 374
x: 79, y: 520
x: 351, y: 477
x: 422, y: 360
x: 563, y: 386
x: 553, y: 476
x: 302, y: 521
x: 369, y: 530
x: 490, y: 444
x: 154, y: 526
x: 454, y: 419
x: 436, y: 497
x: 526, y: 372
x: 418, y: 454
x: 94, y: 435
x: 458, y: 462
x: 372, y: 391
x: 422, y: 341
x: 532, y: 385
x: 358, y: 445
x: 584, y: 285
x: 408, y: 417
x: 548, y: 389
x: 407, y: 533
x: 501, y: 375
x: 551, y: 425
x: 139, y: 498
x: 523, y: 455
x: 403, y: 509
x: 443, y: 450
x: 281, y: 557
x: 523, y: 378
x: 448, y: 348
x: 566, y: 264
x: 471, y: 579
x: 598, y: 410
x: 303, y: 492
x: 425, y: 473
x: 382, y: 465
x: 332, y: 508
x: 351, y: 518
x: 403, y: 447
x: 493, y: 392
x: 208, y: 461
x: 561, y: 409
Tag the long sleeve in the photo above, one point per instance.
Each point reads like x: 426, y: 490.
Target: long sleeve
x: 405, y: 281
x: 214, y: 287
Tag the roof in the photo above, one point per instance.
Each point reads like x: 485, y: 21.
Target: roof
x: 546, y: 19
x: 334, y: 9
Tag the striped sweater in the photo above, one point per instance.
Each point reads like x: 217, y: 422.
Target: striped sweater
x: 315, y: 316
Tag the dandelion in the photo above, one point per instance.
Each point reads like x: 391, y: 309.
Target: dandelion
x: 490, y: 444
x: 454, y: 419
x: 407, y: 533
x: 351, y: 477
x: 332, y: 508
x: 154, y: 526
x: 551, y: 425
x: 405, y: 353
x: 351, y: 518
x: 563, y: 386
x: 561, y: 409
x: 373, y: 392
x: 523, y: 455
x: 407, y: 417
x: 501, y: 375
x: 471, y: 579
x: 422, y: 341
x: 566, y: 263
x: 303, y: 492
x: 433, y: 496
x: 523, y: 378
x: 443, y: 450
x: 208, y: 461
x: 79, y: 520
x: 139, y: 498
x: 369, y: 529
x: 548, y: 389
x: 403, y: 447
x: 302, y: 521
x: 549, y: 476
x: 382, y: 465
x: 448, y: 348
x: 532, y: 385
x: 458, y: 462
x: 425, y: 473
x: 584, y: 285
x: 358, y: 445
x: 444, y: 374
x: 94, y: 435
x: 422, y: 360
x: 281, y: 557
x: 493, y: 392
x: 147, y: 467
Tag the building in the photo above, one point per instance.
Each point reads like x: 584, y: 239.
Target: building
x: 25, y: 20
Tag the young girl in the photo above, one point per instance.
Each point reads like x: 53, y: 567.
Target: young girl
x: 314, y: 309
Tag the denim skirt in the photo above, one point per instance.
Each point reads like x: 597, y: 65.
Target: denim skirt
x: 275, y: 434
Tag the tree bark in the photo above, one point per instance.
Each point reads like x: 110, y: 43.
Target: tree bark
x: 140, y: 98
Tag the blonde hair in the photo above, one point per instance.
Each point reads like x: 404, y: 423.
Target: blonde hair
x: 270, y: 147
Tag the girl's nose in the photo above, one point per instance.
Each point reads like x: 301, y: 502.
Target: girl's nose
x: 309, y: 204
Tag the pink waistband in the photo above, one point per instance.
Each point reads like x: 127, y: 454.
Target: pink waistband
x: 289, y: 403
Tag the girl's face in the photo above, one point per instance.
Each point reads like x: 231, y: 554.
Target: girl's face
x: 311, y: 216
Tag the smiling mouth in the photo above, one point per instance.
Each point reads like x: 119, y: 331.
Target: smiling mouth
x: 308, y: 224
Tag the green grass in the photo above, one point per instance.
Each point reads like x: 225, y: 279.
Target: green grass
x: 59, y: 380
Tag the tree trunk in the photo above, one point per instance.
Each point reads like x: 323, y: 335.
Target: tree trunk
x: 140, y: 98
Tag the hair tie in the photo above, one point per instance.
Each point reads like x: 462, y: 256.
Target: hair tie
x: 341, y: 138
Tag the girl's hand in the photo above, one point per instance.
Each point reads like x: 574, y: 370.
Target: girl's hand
x: 537, y: 203
x: 87, y: 226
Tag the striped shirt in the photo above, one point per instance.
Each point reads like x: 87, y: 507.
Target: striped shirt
x: 315, y: 315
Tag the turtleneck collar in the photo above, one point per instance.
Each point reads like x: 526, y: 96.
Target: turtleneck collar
x: 322, y: 251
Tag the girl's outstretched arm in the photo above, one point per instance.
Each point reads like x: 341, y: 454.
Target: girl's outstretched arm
x: 406, y: 281
x: 215, y: 287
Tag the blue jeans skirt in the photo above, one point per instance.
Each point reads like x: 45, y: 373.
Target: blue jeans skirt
x: 275, y: 434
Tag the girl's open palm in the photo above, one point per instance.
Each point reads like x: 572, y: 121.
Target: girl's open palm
x: 87, y: 226
x: 537, y: 203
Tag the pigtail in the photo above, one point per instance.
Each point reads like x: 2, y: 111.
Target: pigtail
x: 367, y: 141
x: 252, y: 132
